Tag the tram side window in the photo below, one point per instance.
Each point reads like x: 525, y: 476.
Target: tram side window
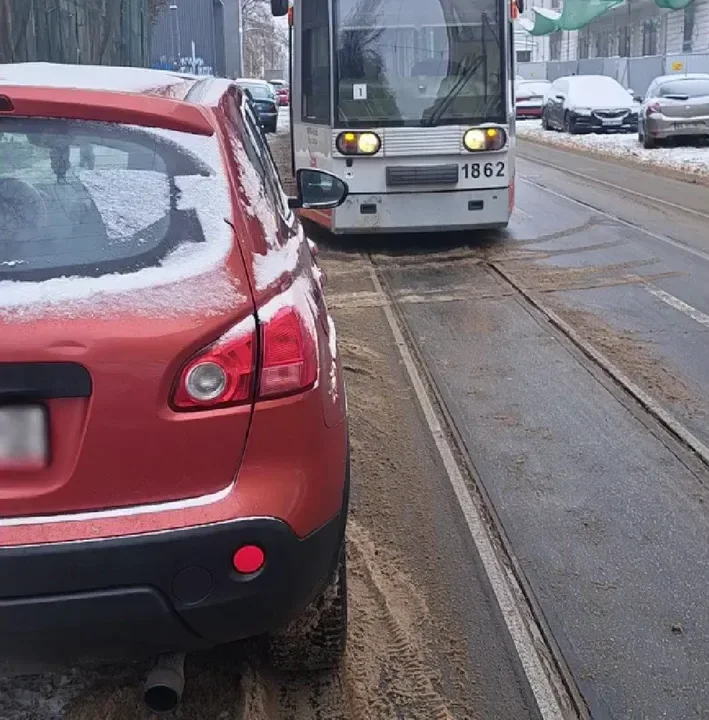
x: 316, y: 67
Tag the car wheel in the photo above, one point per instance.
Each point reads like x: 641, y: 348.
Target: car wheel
x: 545, y: 122
x: 568, y: 127
x: 316, y: 640
x: 273, y: 128
x: 648, y: 142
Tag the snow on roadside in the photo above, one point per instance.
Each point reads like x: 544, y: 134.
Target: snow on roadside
x: 691, y: 160
x: 283, y: 120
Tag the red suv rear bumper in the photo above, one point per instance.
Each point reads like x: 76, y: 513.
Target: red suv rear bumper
x: 145, y: 594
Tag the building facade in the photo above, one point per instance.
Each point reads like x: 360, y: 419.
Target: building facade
x: 637, y: 28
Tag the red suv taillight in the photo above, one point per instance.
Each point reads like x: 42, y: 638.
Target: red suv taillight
x: 289, y: 358
x: 223, y: 374
x: 654, y: 107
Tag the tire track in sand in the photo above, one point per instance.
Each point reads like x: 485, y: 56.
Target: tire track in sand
x: 384, y: 674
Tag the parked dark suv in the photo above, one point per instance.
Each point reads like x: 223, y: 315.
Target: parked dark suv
x: 263, y: 96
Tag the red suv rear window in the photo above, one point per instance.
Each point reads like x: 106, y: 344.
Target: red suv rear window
x: 86, y: 199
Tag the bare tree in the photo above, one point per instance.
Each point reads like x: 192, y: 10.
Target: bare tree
x: 265, y: 43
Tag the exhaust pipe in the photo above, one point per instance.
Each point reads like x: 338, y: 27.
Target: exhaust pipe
x: 164, y: 684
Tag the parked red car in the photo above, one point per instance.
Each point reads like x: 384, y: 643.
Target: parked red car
x: 530, y: 96
x: 174, y: 469
x: 283, y: 95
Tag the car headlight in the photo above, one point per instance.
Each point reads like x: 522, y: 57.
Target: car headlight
x: 477, y: 139
x: 582, y: 111
x: 358, y: 143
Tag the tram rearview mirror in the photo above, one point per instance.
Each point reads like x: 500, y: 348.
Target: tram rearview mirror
x: 279, y: 8
x: 318, y: 189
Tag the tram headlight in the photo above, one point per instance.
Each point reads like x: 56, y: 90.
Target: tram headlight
x: 358, y: 143
x: 491, y: 138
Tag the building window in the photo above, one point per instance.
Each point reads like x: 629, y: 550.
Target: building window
x: 624, y: 40
x: 649, y: 38
x: 602, y: 44
x: 524, y: 56
x: 316, y: 62
x: 555, y: 45
x: 688, y: 28
x: 584, y: 44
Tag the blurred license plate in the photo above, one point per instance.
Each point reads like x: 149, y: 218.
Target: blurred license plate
x: 691, y: 126
x: 613, y: 121
x: 23, y: 437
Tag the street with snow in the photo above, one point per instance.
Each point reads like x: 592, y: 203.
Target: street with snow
x: 691, y: 158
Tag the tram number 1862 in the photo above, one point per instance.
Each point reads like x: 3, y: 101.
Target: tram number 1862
x: 473, y: 171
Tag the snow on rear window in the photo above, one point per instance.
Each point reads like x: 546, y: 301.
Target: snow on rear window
x: 114, y: 191
x: 691, y: 87
x: 92, y: 208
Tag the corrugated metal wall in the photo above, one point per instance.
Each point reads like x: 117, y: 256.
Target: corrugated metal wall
x: 636, y: 73
x: 106, y: 32
x: 186, y: 22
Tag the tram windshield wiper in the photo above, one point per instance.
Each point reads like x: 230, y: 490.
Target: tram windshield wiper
x: 447, y: 99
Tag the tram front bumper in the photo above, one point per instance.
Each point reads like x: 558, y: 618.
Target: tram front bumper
x: 423, y: 211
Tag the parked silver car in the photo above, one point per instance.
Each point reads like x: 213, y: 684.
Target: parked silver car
x: 675, y: 106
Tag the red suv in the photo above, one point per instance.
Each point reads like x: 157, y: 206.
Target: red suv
x: 174, y: 469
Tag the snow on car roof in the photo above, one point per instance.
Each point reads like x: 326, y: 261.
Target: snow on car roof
x: 597, y: 90
x: 143, y: 81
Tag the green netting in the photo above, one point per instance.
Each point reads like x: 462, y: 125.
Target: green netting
x: 673, y: 4
x: 576, y: 14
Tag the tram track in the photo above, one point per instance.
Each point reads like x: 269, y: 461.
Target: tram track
x: 550, y: 678
x: 616, y: 188
x: 569, y: 700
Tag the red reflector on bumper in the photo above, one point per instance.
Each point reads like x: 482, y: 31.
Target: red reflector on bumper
x: 248, y: 559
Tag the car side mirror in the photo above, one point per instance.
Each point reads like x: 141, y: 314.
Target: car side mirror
x: 318, y: 190
x: 637, y: 99
x: 279, y: 8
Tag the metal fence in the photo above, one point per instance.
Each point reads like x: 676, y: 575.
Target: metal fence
x: 189, y: 36
x: 103, y: 32
x: 635, y: 73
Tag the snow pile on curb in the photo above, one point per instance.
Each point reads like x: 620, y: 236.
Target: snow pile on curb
x: 686, y: 160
